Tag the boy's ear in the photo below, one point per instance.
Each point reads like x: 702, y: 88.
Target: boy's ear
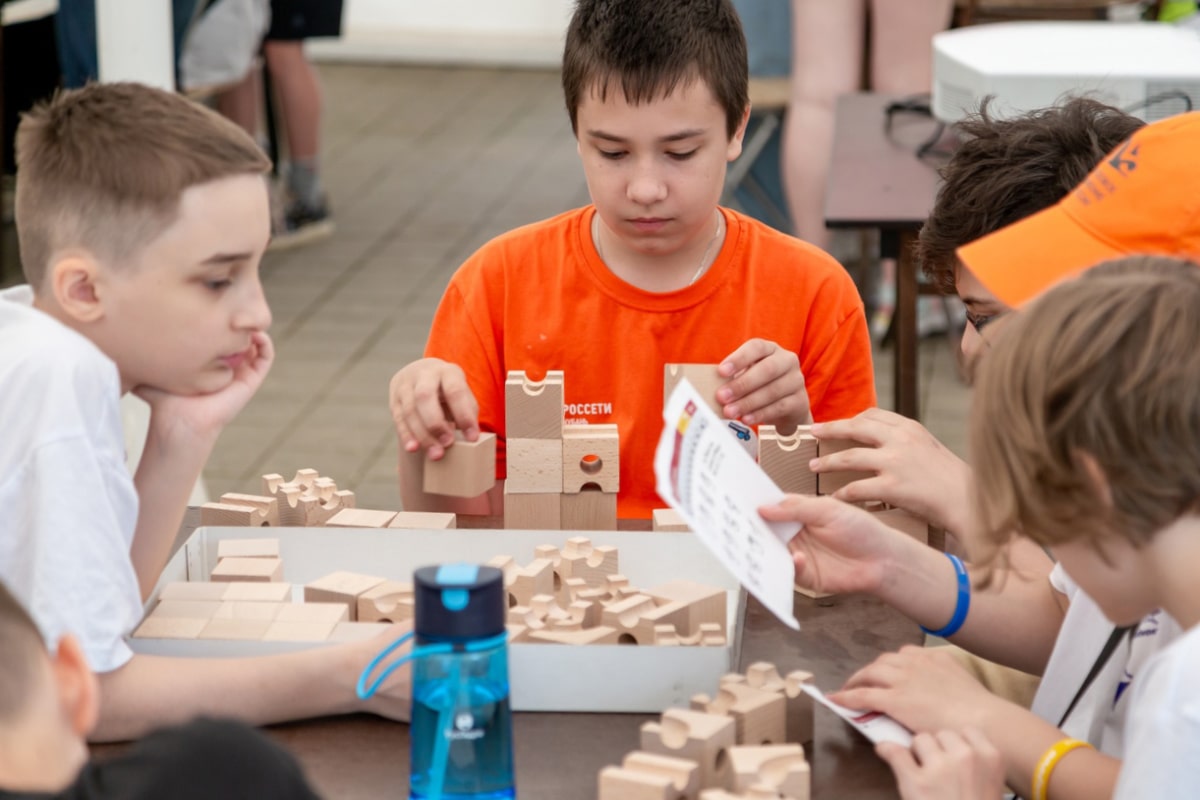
x: 735, y: 142
x: 74, y: 283
x: 78, y: 690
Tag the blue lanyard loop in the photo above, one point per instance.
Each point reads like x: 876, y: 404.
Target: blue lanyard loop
x: 421, y: 651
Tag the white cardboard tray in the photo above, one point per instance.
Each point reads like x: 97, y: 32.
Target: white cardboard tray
x: 544, y: 677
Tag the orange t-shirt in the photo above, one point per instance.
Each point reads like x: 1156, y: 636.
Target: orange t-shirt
x: 539, y: 298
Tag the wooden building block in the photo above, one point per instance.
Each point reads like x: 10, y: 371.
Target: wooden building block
x: 597, y: 635
x: 533, y: 409
x: 357, y: 631
x: 764, y: 675
x: 704, y: 377
x: 244, y: 609
x: 781, y: 768
x: 830, y: 482
x: 186, y: 609
x: 390, y: 601
x: 760, y: 715
x: 904, y: 522
x: 668, y: 519
x: 198, y: 590
x: 591, y: 454
x: 308, y: 499
x: 468, y: 469
x: 270, y: 592
x: 304, y: 479
x: 247, y: 548
x: 588, y: 510
x: 535, y: 466
x: 821, y: 598
x: 703, y: 738
x: 785, y: 459
x: 307, y: 631
x: 709, y: 635
x: 170, y: 628
x: 651, y: 775
x: 231, y: 515
x: 235, y: 628
x: 314, y: 612
x: 341, y: 587
x: 266, y: 504
x: 636, y: 618
x: 705, y: 603
x: 360, y: 518
x: 580, y: 559
x: 523, y: 583
x: 260, y: 570
x: 424, y: 520
x: 533, y: 512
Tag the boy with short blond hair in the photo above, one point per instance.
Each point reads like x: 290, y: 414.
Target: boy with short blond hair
x: 142, y: 220
x: 653, y: 272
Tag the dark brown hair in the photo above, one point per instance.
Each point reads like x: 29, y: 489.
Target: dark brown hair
x: 102, y: 168
x: 1007, y: 169
x: 21, y: 654
x: 649, y: 47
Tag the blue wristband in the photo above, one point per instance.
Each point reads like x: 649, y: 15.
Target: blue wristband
x: 961, y: 606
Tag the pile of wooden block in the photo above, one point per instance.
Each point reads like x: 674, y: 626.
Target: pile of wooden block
x: 577, y: 595
x: 747, y: 742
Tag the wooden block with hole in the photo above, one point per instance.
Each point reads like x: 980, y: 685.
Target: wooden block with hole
x: 904, y: 522
x: 703, y: 738
x: 532, y: 512
x: 591, y: 454
x: 782, y: 768
x: 534, y: 466
x: 267, y: 592
x: 360, y: 518
x: 764, y: 675
x: 247, y: 548
x: 341, y: 587
x: 709, y: 635
x: 704, y: 377
x: 232, y: 515
x: 170, y: 628
x: 258, y: 570
x: 390, y: 601
x: 635, y: 618
x: 706, y: 604
x: 785, y: 459
x: 588, y: 510
x: 235, y: 628
x: 468, y: 469
x: 266, y: 504
x: 830, y: 482
x: 650, y: 776
x: 199, y: 590
x: 760, y: 715
x: 424, y: 520
x: 597, y: 635
x: 668, y: 519
x: 533, y: 409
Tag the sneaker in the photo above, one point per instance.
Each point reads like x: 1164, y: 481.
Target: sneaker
x: 302, y: 225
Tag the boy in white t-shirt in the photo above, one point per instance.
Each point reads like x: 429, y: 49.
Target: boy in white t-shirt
x: 142, y: 219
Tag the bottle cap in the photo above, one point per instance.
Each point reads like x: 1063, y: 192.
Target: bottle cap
x: 458, y: 602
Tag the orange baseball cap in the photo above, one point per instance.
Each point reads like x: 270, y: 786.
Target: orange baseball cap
x: 1144, y: 197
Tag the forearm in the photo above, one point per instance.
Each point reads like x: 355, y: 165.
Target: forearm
x: 152, y: 691
x: 165, y: 477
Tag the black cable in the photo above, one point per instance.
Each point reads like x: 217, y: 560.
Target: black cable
x: 1173, y: 94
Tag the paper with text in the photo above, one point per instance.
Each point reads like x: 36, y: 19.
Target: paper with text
x: 717, y: 487
x: 875, y: 725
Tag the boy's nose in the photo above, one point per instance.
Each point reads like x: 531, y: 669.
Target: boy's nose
x: 646, y: 189
x: 254, y: 313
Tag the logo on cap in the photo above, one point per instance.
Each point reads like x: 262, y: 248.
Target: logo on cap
x: 1122, y: 164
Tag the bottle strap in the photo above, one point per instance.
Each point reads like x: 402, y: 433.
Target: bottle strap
x: 364, y: 691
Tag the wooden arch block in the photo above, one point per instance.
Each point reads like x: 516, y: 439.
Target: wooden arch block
x: 785, y: 459
x: 533, y: 409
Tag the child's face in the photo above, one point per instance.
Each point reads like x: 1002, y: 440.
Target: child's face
x: 656, y: 170
x: 1112, y: 578
x: 985, y: 314
x: 181, y: 317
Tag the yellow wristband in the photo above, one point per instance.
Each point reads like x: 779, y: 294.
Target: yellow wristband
x: 1047, y: 763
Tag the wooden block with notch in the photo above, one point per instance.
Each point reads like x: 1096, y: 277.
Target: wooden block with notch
x: 781, y: 768
x: 704, y: 377
x: 390, y: 601
x: 763, y: 675
x: 259, y: 570
x: 360, y: 518
x: 591, y: 454
x: 534, y: 512
x: 785, y: 459
x: 247, y: 548
x: 760, y: 715
x: 534, y: 466
x: 232, y: 515
x: 705, y: 604
x: 703, y: 738
x: 524, y: 583
x: 533, y: 409
x: 341, y: 587
x: 830, y: 482
x: 650, y: 776
x: 579, y: 558
x: 424, y: 520
x: 468, y: 469
x: 269, y: 506
x: 635, y: 618
x: 588, y: 510
x: 668, y: 519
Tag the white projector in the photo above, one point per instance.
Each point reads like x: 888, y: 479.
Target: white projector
x: 1031, y: 65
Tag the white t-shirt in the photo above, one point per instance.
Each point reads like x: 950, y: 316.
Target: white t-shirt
x: 1162, y: 758
x: 1099, y: 716
x: 69, y: 505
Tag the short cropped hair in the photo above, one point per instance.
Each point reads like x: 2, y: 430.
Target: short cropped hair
x: 1104, y: 366
x: 649, y: 47
x: 1008, y: 169
x: 21, y: 654
x: 103, y: 168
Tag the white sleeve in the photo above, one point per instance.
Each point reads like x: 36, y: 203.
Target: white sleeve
x: 1062, y: 582
x: 1162, y: 750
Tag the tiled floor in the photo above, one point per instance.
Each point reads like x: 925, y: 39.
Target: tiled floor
x: 423, y: 165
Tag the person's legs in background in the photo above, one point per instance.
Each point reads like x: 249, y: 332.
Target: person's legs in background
x: 75, y: 34
x: 299, y: 93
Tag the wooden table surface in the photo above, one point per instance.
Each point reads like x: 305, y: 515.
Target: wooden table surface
x: 558, y: 755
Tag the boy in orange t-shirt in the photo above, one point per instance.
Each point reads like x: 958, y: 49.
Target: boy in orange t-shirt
x: 654, y: 272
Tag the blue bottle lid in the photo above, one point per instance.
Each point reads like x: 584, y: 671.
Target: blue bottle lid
x: 458, y: 602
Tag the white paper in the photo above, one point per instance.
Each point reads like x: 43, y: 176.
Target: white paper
x: 875, y: 725
x: 717, y: 487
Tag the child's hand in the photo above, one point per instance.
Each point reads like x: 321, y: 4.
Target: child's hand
x: 204, y: 416
x: 430, y: 398
x: 922, y: 688
x: 765, y: 386
x: 913, y: 469
x: 840, y: 549
x: 946, y: 766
